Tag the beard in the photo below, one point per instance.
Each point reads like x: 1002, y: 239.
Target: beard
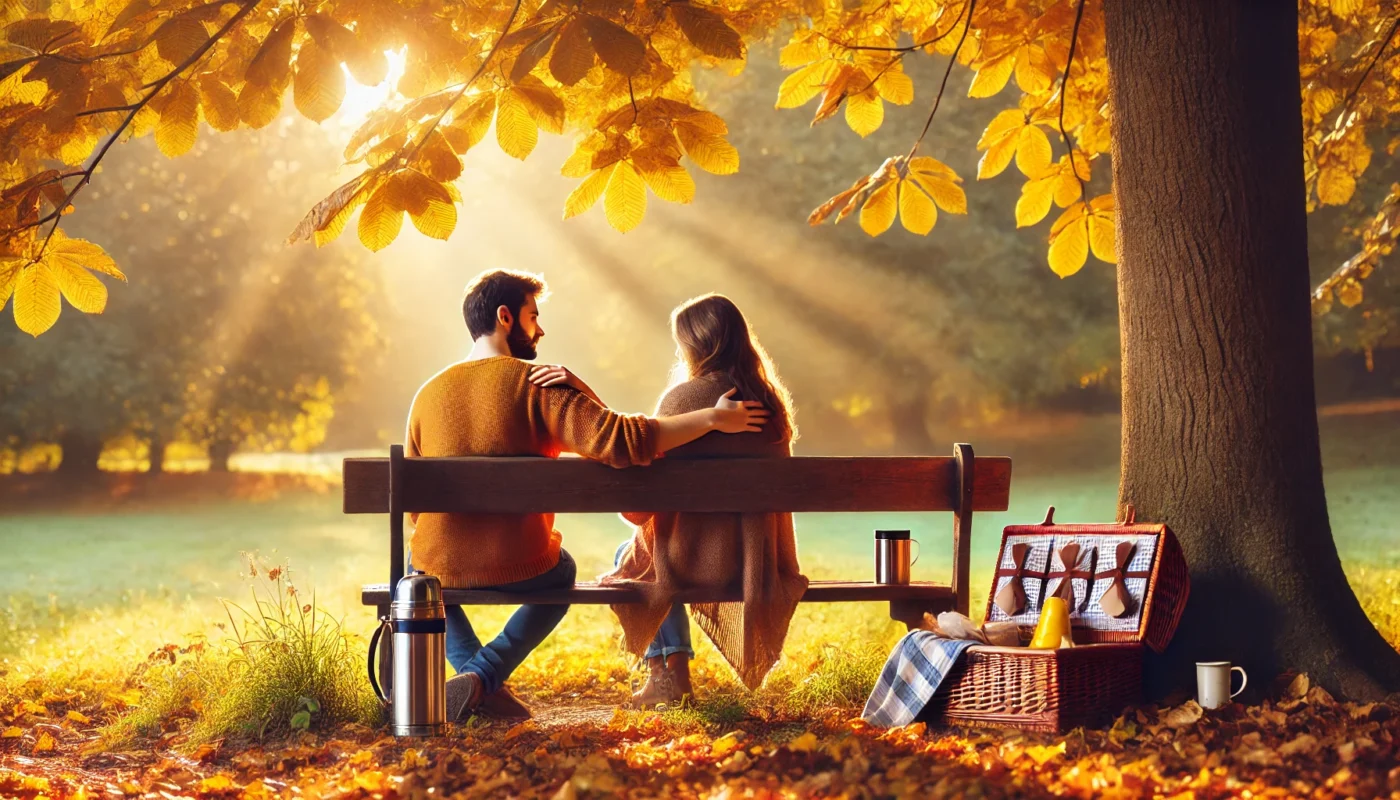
x: 522, y: 346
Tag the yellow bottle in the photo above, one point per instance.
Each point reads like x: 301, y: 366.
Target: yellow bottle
x: 1053, y: 625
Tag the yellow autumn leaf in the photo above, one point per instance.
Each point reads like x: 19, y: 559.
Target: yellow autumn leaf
x: 318, y: 88
x: 179, y: 121
x: 1350, y: 293
x: 1036, y: 196
x: 1102, y: 229
x: 16, y: 90
x: 865, y: 112
x: 1033, y: 152
x: 800, y: 87
x: 877, y: 215
x: 1347, y: 8
x: 258, y: 105
x: 992, y: 76
x: 940, y: 182
x: 382, y: 217
x: 78, y: 717
x: 179, y: 37
x: 469, y: 126
x: 516, y: 131
x: 37, y: 302
x: 437, y: 160
x: 587, y: 193
x: 917, y: 213
x: 220, y: 104
x: 625, y: 200
x: 216, y: 783
x: 1034, y: 70
x: 999, y: 141
x: 725, y: 745
x: 896, y: 87
x: 1067, y: 187
x: 9, y: 276
x: 805, y: 743
x: 1069, y: 241
x: 12, y: 732
x: 81, y: 253
x: 45, y: 744
x: 710, y: 152
x: 1335, y: 186
x: 82, y: 289
x: 670, y: 182
x: 428, y: 204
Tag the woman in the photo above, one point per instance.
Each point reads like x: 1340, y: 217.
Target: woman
x: 716, y: 353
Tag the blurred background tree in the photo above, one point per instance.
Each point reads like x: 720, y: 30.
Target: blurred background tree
x: 225, y: 338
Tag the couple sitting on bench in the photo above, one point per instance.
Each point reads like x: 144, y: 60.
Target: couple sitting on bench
x: 494, y: 403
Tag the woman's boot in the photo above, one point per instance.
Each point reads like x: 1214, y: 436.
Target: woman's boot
x: 668, y: 680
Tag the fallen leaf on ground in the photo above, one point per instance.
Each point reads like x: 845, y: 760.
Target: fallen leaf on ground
x: 1188, y: 713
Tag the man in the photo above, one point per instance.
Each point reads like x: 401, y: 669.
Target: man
x: 495, y: 404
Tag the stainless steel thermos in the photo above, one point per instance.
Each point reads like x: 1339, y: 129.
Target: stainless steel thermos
x: 892, y: 557
x: 416, y: 690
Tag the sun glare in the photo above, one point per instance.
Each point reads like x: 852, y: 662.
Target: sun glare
x: 360, y: 100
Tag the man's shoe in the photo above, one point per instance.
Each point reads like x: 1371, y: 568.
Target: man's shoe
x: 504, y: 705
x: 464, y: 696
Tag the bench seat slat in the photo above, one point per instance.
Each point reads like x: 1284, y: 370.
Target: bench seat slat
x: 754, y: 485
x: 376, y: 594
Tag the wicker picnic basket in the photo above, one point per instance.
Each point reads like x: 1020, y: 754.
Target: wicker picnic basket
x: 1085, y: 685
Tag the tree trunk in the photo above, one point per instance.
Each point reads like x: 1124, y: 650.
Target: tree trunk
x: 80, y: 453
x: 1220, y: 436
x: 909, y: 419
x: 156, y: 454
x: 219, y: 453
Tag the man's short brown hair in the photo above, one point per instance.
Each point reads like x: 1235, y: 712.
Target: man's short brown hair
x: 491, y: 290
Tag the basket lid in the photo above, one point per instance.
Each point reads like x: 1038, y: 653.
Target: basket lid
x: 1127, y: 581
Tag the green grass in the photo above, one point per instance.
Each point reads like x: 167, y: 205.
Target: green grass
x: 88, y: 597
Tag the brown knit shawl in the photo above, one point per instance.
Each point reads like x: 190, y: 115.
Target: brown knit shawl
x: 672, y: 551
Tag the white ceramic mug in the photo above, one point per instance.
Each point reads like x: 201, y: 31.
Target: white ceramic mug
x: 1213, y: 683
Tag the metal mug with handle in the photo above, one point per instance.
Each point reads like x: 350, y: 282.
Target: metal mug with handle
x: 892, y: 560
x: 1213, y: 683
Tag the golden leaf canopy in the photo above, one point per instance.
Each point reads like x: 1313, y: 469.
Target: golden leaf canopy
x: 83, y: 75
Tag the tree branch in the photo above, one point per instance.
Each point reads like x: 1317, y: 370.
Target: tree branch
x: 1381, y: 232
x: 904, y: 49
x: 85, y: 176
x: 1355, y: 90
x: 970, y: 6
x: 1064, y: 90
x: 465, y: 86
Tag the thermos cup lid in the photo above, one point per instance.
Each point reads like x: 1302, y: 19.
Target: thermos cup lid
x: 891, y: 534
x: 418, y: 588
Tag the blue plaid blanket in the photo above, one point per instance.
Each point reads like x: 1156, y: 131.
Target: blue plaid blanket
x: 916, y: 667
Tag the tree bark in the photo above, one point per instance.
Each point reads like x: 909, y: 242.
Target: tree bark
x: 156, y: 454
x: 219, y: 453
x: 80, y: 453
x: 1220, y: 435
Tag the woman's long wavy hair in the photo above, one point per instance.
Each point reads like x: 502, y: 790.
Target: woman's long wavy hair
x: 713, y: 338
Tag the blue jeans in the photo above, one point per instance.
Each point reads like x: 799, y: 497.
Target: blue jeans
x: 674, y: 635
x: 525, y: 630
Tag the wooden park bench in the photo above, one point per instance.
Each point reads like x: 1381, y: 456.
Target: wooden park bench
x: 961, y: 484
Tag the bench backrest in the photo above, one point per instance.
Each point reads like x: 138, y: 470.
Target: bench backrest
x: 961, y: 484
x: 529, y: 485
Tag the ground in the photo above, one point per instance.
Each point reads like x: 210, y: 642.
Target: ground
x: 125, y: 674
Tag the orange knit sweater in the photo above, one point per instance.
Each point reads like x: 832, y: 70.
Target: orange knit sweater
x: 490, y: 408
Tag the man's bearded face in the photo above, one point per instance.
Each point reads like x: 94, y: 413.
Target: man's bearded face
x: 522, y: 344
